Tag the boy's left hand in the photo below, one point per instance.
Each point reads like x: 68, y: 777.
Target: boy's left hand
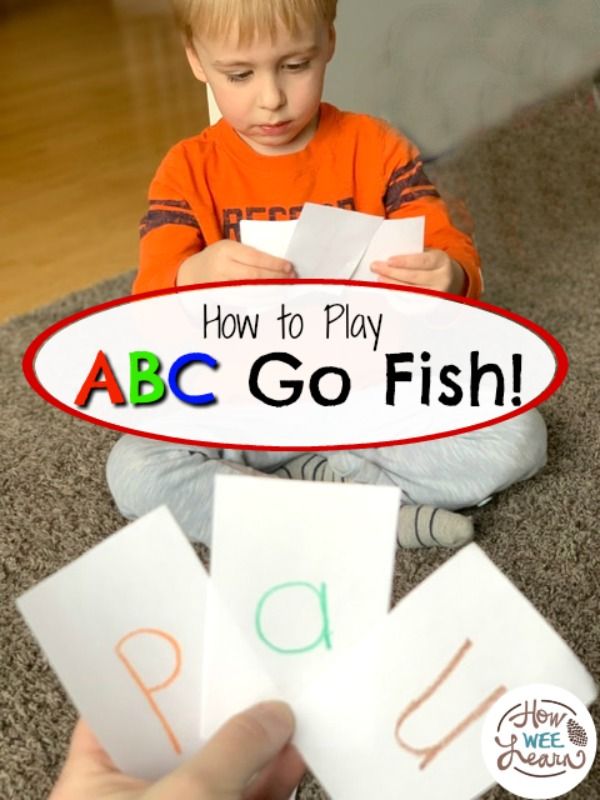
x: 433, y: 269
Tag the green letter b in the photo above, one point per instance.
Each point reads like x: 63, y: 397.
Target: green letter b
x: 149, y: 375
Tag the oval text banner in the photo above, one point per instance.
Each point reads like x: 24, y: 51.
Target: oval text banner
x: 295, y: 365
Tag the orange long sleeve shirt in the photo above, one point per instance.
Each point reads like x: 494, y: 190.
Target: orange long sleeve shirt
x: 208, y: 183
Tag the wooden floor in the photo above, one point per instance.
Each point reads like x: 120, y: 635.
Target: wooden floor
x: 93, y: 93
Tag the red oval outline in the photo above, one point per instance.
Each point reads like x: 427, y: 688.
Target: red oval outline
x: 562, y: 362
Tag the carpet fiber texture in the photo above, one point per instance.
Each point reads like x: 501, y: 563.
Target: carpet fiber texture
x: 533, y: 189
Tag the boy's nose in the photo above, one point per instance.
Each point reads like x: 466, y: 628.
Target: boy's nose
x: 271, y: 95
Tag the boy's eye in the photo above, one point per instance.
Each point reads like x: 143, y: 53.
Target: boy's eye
x: 237, y: 77
x: 292, y: 66
x: 297, y: 66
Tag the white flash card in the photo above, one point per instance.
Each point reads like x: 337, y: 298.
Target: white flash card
x: 270, y: 236
x: 394, y: 237
x: 404, y: 710
x: 304, y: 569
x: 328, y: 242
x: 122, y: 627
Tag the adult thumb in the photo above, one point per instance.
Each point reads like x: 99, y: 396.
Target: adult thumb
x: 241, y: 748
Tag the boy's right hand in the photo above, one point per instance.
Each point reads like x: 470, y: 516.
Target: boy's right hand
x: 228, y: 260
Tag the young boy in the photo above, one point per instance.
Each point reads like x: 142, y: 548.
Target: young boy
x: 277, y: 147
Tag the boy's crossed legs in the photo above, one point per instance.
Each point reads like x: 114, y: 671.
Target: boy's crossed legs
x: 435, y: 476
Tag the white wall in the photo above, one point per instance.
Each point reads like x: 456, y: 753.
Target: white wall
x: 443, y: 69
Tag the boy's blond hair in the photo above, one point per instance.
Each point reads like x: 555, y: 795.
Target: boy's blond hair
x: 250, y: 19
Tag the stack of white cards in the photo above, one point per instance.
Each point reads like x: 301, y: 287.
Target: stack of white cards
x: 328, y: 242
x: 156, y: 656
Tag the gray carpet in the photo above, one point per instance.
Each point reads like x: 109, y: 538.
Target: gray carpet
x: 533, y: 188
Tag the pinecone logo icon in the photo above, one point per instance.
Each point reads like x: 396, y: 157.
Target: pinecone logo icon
x: 577, y: 734
x: 564, y: 754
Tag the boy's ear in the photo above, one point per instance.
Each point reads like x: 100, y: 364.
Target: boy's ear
x: 331, y: 43
x: 194, y: 62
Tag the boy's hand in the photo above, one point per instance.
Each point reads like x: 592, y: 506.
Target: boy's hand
x: 433, y: 269
x: 228, y: 260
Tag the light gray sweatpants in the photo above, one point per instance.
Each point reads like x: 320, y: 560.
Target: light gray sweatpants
x: 452, y: 473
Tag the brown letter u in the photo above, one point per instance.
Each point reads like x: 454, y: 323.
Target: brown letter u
x: 431, y: 751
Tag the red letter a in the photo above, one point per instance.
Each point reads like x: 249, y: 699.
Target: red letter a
x: 93, y: 382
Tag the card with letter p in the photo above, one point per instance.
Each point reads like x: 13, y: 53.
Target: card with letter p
x: 123, y: 628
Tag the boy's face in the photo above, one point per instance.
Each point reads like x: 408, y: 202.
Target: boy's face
x: 268, y: 92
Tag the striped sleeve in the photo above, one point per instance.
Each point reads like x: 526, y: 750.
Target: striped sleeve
x: 410, y: 193
x: 169, y: 231
x: 406, y: 184
x: 167, y: 212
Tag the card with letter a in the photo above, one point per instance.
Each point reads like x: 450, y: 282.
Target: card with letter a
x: 302, y: 570
x: 123, y: 627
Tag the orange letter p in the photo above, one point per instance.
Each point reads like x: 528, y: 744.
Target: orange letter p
x: 148, y: 691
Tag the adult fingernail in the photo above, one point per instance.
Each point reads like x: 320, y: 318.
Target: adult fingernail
x: 276, y: 718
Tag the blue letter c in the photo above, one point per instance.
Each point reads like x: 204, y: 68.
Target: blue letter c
x: 178, y: 366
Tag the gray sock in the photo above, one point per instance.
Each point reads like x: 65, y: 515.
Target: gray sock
x: 418, y: 526
x: 308, y: 467
x: 425, y: 526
